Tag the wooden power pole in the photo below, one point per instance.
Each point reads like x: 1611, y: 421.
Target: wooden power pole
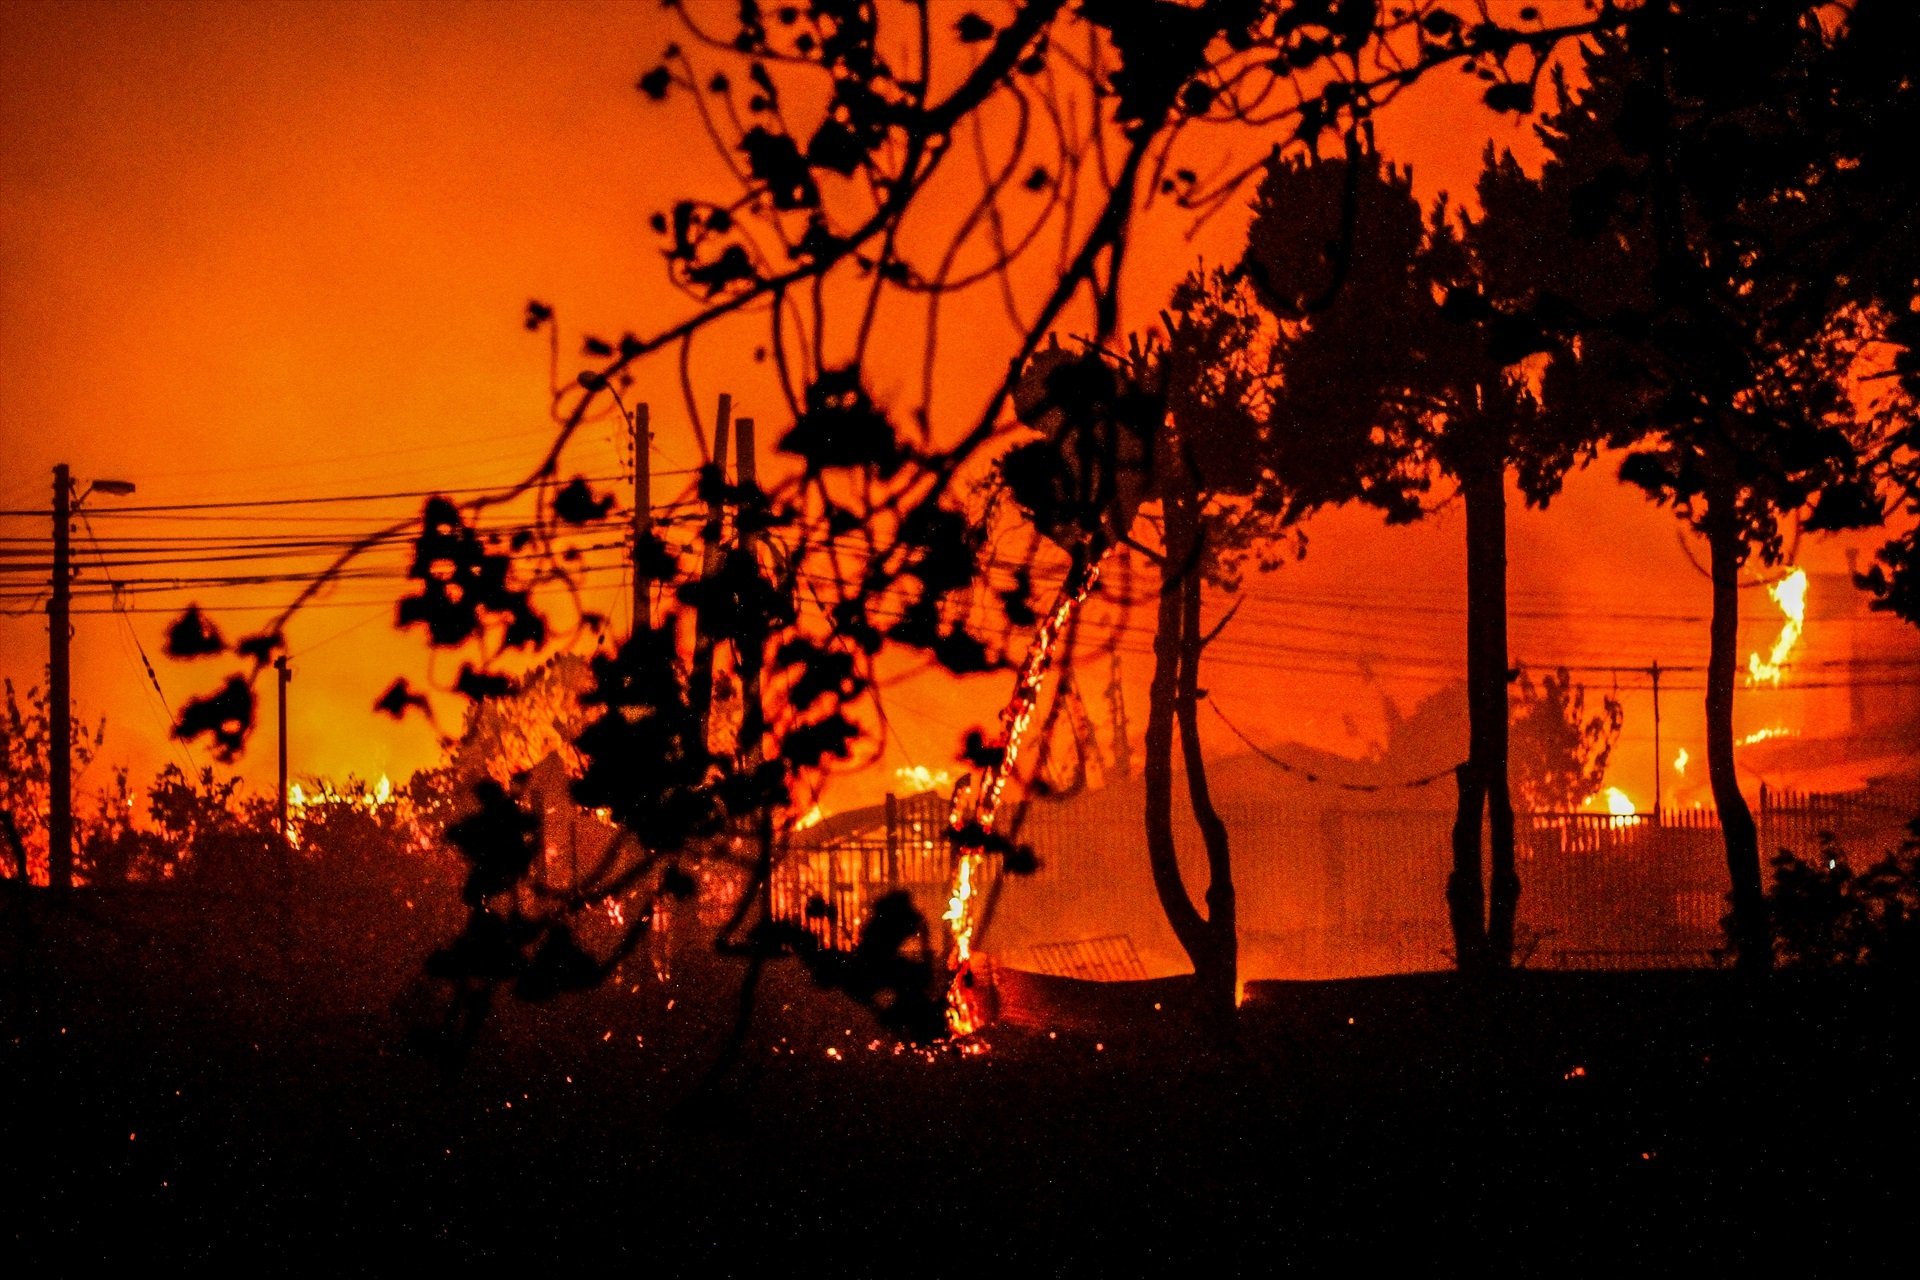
x: 642, y: 519
x: 285, y: 675
x: 753, y: 720
x: 60, y: 690
x: 700, y: 687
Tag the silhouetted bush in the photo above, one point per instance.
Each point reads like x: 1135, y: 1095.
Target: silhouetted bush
x: 1827, y: 916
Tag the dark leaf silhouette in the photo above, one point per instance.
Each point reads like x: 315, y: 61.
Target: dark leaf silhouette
x: 463, y: 586
x: 576, y: 503
x: 980, y: 753
x: 193, y: 635
x: 226, y: 717
x: 479, y: 685
x: 808, y: 745
x: 400, y: 698
x: 777, y: 163
x: 816, y: 673
x: 972, y: 28
x: 840, y: 426
x: 260, y: 648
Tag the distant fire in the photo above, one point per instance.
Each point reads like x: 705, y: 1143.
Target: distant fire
x: 1790, y: 594
x: 1680, y: 762
x: 1762, y: 735
x: 921, y: 778
x: 358, y: 795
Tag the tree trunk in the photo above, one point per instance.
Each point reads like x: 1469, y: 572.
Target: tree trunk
x: 1483, y: 917
x: 1487, y: 694
x: 1466, y: 900
x: 1219, y: 976
x: 1750, y: 932
x: 1210, y: 941
x: 1162, y: 858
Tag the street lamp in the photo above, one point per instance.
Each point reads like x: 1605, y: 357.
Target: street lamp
x: 60, y: 673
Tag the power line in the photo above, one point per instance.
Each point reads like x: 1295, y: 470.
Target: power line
x: 317, y: 501
x: 146, y: 663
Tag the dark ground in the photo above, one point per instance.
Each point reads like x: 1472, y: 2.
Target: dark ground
x: 176, y: 1100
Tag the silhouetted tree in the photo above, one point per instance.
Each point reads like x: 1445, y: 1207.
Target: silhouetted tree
x: 1407, y: 364
x: 1672, y: 236
x: 1827, y: 915
x: 1180, y: 423
x: 841, y: 131
x: 1866, y: 101
x: 1559, y: 753
x: 25, y: 738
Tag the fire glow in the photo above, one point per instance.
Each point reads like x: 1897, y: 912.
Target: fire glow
x: 1790, y: 594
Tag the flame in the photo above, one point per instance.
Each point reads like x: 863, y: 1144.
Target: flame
x: 956, y: 913
x: 1761, y: 735
x: 811, y: 818
x: 383, y: 790
x: 921, y: 778
x: 1622, y: 808
x: 963, y: 1015
x: 1790, y: 594
x: 1680, y: 762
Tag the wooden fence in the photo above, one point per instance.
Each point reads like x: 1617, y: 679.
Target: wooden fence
x: 1358, y: 891
x: 831, y: 874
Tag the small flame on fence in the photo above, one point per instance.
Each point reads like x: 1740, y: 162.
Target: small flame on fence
x: 1621, y: 806
x: 1790, y: 594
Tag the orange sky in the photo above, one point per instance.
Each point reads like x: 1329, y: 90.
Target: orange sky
x: 260, y: 250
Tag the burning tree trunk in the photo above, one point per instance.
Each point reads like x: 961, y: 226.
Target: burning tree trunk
x: 1749, y: 930
x: 1483, y: 921
x: 1211, y: 941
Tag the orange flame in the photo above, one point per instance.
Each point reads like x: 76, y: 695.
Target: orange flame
x: 964, y: 1014
x: 1790, y: 594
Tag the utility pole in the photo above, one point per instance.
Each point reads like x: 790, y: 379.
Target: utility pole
x: 642, y: 518
x: 285, y: 678
x: 1659, y: 767
x: 753, y: 719
x: 60, y: 691
x: 700, y: 686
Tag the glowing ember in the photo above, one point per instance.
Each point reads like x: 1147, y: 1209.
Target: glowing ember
x: 1790, y: 594
x: 1680, y: 762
